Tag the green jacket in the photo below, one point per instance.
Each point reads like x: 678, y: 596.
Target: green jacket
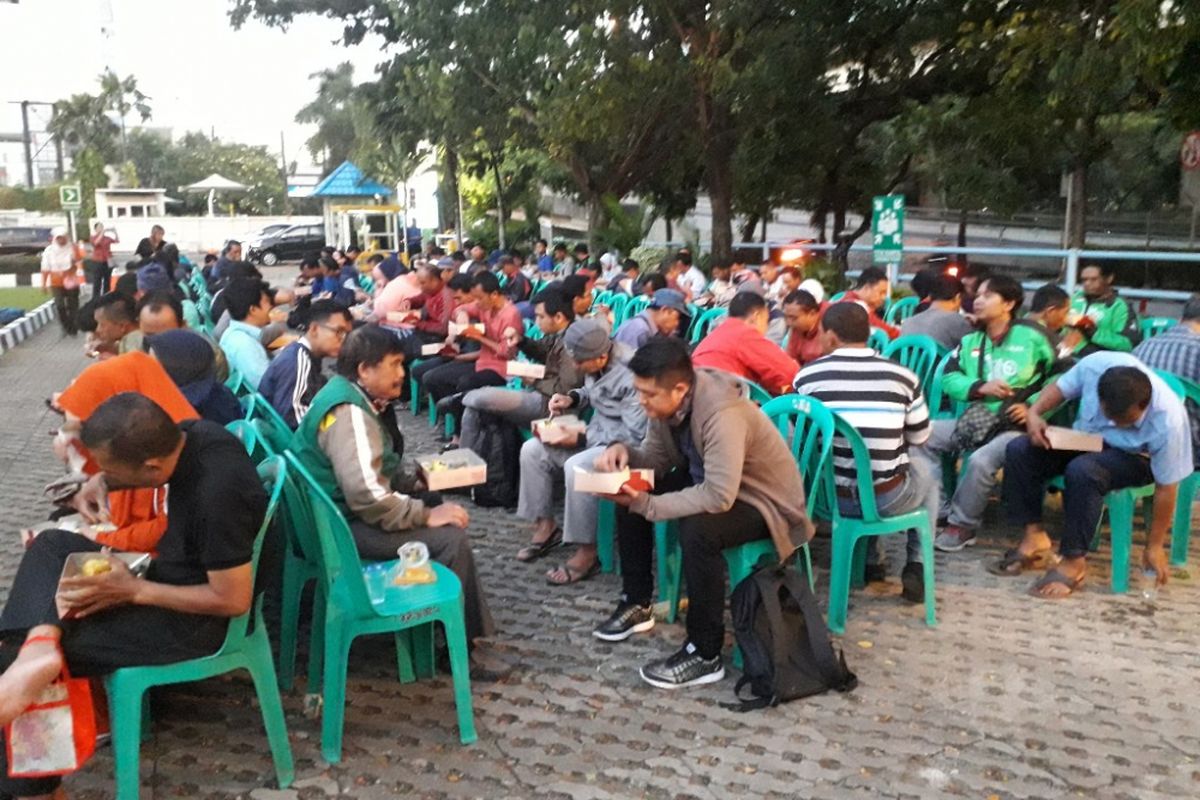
x: 1116, y: 324
x: 1024, y: 358
x: 320, y: 418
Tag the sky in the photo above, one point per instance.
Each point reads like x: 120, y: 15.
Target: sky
x: 200, y: 74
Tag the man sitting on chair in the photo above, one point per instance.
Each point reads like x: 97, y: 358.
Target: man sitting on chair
x: 350, y: 443
x: 1147, y: 440
x: 201, y: 575
x: 725, y: 473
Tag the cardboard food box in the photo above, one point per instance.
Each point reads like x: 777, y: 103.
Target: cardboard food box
x: 1070, y: 439
x: 452, y: 469
x: 526, y: 369
x: 457, y: 329
x: 428, y: 350
x: 608, y: 482
x: 401, y: 317
x: 553, y: 430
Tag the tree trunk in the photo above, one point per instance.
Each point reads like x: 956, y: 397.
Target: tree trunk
x: 748, y: 228
x: 448, y: 191
x: 719, y: 143
x: 597, y: 221
x: 501, y: 216
x: 961, y: 258
x: 1077, y: 209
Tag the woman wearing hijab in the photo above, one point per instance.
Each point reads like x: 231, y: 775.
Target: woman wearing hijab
x: 138, y: 515
x: 191, y: 363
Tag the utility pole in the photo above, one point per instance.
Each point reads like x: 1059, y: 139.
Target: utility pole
x: 28, y: 144
x: 283, y: 171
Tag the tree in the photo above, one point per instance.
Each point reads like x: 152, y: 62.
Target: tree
x: 333, y: 112
x: 122, y: 96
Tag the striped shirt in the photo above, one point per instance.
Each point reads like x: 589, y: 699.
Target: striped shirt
x: 879, y: 398
x: 1177, y: 351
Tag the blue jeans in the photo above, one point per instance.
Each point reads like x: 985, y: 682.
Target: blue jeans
x: 1087, y: 477
x: 919, y: 490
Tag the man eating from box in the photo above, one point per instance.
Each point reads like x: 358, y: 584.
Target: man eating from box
x: 545, y: 460
x: 1146, y: 440
x: 350, y: 443
x: 725, y: 473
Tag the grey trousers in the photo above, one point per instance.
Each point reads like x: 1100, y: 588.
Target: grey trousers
x: 978, y: 480
x: 917, y: 491
x: 517, y: 406
x: 541, y: 469
x: 450, y: 547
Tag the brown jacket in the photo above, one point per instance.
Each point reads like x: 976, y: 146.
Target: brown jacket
x: 744, y: 458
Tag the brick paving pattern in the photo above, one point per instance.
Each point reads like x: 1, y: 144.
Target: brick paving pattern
x: 1008, y: 697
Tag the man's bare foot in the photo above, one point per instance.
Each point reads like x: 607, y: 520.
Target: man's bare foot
x: 1035, y: 540
x: 542, y: 531
x: 36, y: 667
x: 580, y: 566
x: 1062, y: 580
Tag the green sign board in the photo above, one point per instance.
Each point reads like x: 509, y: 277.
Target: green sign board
x: 70, y: 197
x: 887, y: 228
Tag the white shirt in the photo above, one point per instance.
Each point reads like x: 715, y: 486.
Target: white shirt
x: 58, y: 259
x: 693, y: 281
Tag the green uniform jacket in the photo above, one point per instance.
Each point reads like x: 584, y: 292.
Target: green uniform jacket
x: 1116, y: 323
x: 1024, y: 358
x: 337, y: 392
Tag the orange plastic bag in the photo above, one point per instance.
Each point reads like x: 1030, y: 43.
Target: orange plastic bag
x: 57, y: 734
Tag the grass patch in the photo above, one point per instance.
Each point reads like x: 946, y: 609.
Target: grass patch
x: 26, y: 297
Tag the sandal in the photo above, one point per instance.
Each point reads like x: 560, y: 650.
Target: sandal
x: 573, y: 576
x: 1013, y: 562
x: 1055, y: 577
x: 535, y: 550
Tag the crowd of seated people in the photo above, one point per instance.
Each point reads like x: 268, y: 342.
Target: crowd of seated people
x: 150, y: 468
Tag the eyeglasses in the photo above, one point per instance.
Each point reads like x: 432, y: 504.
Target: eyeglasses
x: 340, y: 333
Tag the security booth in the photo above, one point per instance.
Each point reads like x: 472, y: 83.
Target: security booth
x: 356, y: 210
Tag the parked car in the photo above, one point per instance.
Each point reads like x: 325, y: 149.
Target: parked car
x: 255, y: 238
x: 291, y: 243
x: 24, y: 239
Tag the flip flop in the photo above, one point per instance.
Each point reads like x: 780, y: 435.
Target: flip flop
x: 534, y: 551
x: 1013, y: 563
x: 572, y: 575
x: 1055, y: 577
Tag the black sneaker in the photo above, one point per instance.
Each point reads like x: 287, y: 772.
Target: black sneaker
x: 684, y: 668
x: 628, y: 619
x: 912, y: 578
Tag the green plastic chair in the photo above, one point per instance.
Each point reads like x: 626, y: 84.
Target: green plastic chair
x: 1181, y: 528
x: 901, y: 310
x: 937, y: 397
x: 414, y: 389
x: 837, y: 297
x: 235, y: 382
x: 251, y: 439
x: 849, y: 533
x: 878, y: 340
x: 257, y: 407
x: 1149, y: 327
x: 602, y: 298
x: 753, y: 392
x: 270, y: 436
x: 704, y: 322
x: 250, y: 651
x: 360, y: 600
x: 921, y: 354
x: 616, y: 306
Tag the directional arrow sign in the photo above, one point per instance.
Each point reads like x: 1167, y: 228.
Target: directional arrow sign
x: 70, y: 197
x: 887, y: 228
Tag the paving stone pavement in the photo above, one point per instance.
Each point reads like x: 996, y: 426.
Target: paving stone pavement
x: 1008, y: 697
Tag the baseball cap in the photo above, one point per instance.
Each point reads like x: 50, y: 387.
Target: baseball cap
x: 586, y: 339
x: 670, y: 298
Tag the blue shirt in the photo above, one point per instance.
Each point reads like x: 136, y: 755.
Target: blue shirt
x: 244, y: 350
x: 1162, y: 433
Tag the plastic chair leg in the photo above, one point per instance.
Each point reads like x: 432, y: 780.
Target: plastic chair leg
x: 289, y: 621
x: 333, y: 716
x: 460, y: 670
x: 839, y: 581
x: 670, y: 568
x: 414, y: 395
x: 432, y: 411
x: 316, y: 642
x: 606, y: 531
x: 1120, y: 520
x: 424, y: 661
x: 1181, y: 527
x: 262, y: 671
x: 858, y: 570
x: 125, y: 714
x: 927, y: 573
x: 404, y: 656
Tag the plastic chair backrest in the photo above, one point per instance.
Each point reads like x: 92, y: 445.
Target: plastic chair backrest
x: 273, y: 473
x: 936, y: 396
x: 704, y: 322
x: 1150, y: 327
x: 601, y: 298
x: 921, y: 354
x: 837, y: 297
x: 862, y: 469
x: 901, y: 310
x: 878, y: 340
x: 249, y: 438
x: 753, y: 392
x: 1175, y: 382
x: 270, y: 437
x: 807, y: 425
x: 259, y: 408
x: 532, y: 331
x: 342, y: 568
x: 617, y: 305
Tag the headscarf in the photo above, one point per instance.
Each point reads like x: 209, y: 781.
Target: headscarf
x: 190, y: 361
x: 391, y: 267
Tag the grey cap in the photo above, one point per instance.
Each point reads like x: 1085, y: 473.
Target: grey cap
x: 586, y: 339
x: 670, y: 298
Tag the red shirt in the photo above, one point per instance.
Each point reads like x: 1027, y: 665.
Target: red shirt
x: 437, y: 310
x: 736, y: 347
x: 891, y: 330
x: 102, y: 247
x: 496, y: 324
x: 805, y: 348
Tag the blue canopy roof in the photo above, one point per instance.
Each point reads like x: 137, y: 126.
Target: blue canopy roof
x: 348, y: 181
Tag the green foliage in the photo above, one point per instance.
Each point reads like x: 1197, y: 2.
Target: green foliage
x: 88, y: 170
x: 41, y: 198
x: 333, y: 111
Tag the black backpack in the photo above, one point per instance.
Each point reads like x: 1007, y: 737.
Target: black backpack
x: 499, y: 445
x: 786, y: 652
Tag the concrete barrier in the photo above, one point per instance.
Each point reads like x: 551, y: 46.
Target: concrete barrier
x: 19, y: 330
